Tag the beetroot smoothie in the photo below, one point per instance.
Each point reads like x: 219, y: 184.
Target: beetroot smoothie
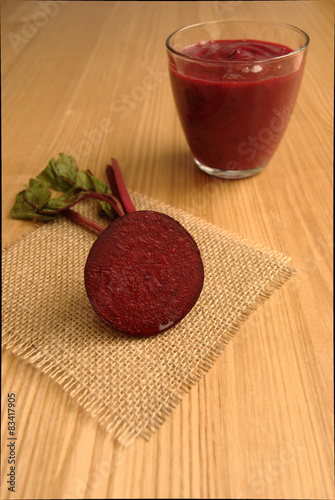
x: 234, y: 100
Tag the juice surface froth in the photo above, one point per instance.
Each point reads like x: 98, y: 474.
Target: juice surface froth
x: 235, y: 50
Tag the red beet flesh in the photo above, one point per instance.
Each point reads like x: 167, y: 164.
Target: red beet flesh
x: 144, y: 273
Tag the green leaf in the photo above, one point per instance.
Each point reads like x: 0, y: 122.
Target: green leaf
x: 37, y: 194
x: 60, y: 175
x: 24, y: 209
x: 83, y: 181
x: 107, y: 209
x: 87, y: 182
x: 31, y: 199
x: 99, y: 186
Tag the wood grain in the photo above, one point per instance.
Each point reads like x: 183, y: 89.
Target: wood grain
x: 90, y: 79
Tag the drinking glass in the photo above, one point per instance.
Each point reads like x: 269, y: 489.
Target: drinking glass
x: 235, y: 84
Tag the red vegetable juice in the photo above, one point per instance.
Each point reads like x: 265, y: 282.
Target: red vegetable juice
x: 234, y: 99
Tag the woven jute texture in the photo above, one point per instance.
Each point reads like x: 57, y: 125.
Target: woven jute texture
x: 129, y: 385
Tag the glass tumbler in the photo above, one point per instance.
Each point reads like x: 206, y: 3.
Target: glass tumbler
x: 235, y: 84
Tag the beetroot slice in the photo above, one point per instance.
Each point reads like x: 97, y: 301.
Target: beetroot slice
x: 144, y: 273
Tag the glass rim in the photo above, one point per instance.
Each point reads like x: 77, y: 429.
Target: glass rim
x: 230, y: 21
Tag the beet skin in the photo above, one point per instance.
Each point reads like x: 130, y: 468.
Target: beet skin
x: 144, y: 273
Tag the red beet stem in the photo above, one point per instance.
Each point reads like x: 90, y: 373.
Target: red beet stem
x: 84, y: 221
x: 108, y: 198
x: 118, y: 186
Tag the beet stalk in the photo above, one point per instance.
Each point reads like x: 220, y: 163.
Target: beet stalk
x: 84, y: 221
x: 118, y: 186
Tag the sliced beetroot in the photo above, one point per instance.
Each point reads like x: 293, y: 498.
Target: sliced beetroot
x: 144, y: 273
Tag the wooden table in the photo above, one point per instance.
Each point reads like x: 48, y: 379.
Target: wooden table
x: 90, y: 79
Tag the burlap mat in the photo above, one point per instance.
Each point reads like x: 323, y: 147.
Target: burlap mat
x: 130, y: 385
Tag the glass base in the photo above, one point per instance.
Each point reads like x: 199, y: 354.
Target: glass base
x: 229, y: 174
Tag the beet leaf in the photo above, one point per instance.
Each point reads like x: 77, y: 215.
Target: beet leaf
x: 62, y: 175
